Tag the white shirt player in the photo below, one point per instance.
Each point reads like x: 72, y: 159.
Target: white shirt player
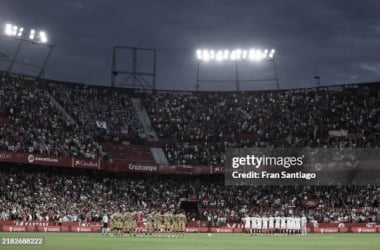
x: 297, y: 222
x: 277, y: 224
x: 254, y: 222
x: 293, y: 223
x: 265, y: 222
x: 271, y: 222
x: 283, y: 222
x: 259, y: 222
x: 247, y: 222
x: 289, y: 223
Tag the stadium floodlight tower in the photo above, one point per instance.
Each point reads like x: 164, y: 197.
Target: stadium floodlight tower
x: 235, y: 56
x: 32, y: 36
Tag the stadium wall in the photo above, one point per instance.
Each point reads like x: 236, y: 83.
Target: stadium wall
x: 128, y: 166
x: 95, y: 227
x: 114, y: 166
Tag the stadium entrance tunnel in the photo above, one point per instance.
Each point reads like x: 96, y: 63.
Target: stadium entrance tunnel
x: 190, y: 207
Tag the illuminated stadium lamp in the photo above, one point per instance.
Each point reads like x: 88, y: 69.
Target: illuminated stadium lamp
x: 205, y: 56
x: 271, y: 54
x: 238, y: 54
x: 14, y: 30
x: 18, y: 32
x: 251, y: 54
x: 219, y: 56
x: 244, y: 55
x: 212, y: 55
x: 43, y: 37
x: 226, y: 54
x: 8, y: 29
x: 266, y: 53
x: 234, y: 55
x: 199, y: 54
x: 31, y: 34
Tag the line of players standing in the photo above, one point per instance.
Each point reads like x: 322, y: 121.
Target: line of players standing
x: 275, y: 225
x: 136, y: 223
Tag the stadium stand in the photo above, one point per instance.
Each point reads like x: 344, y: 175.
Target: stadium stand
x: 194, y: 128
x: 42, y: 194
x: 203, y: 124
x: 32, y: 124
x: 102, y: 112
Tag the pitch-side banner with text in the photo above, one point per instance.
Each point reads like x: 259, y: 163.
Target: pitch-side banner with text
x: 302, y: 166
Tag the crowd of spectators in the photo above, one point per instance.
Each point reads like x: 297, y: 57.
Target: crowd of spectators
x: 81, y: 195
x: 202, y: 125
x: 329, y: 203
x: 197, y: 128
x: 38, y: 194
x: 62, y: 119
x: 101, y: 112
x: 35, y: 125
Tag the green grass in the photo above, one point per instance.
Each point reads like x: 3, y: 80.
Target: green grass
x: 73, y: 241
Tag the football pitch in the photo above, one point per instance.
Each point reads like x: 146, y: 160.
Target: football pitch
x: 223, y: 241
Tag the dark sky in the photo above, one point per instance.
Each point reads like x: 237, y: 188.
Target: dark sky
x: 337, y: 40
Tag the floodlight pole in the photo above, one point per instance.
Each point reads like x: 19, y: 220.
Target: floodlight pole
x: 318, y: 82
x: 197, y: 86
x: 42, y: 71
x: 237, y: 76
x: 134, y: 66
x: 275, y: 72
x: 113, y: 69
x: 154, y: 69
x: 15, y: 56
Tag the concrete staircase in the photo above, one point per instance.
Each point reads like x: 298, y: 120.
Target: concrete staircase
x: 158, y: 154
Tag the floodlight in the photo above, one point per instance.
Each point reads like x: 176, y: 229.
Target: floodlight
x: 8, y: 29
x: 238, y: 54
x: 205, y: 55
x: 31, y: 34
x: 20, y: 30
x: 251, y: 55
x: 212, y: 55
x: 43, y: 37
x: 14, y: 30
x: 271, y: 54
x: 199, y: 54
x: 226, y: 54
x: 244, y: 54
x: 258, y: 55
x: 265, y: 54
x: 219, y: 56
x: 234, y: 55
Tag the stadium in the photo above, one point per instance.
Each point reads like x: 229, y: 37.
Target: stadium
x: 240, y: 161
